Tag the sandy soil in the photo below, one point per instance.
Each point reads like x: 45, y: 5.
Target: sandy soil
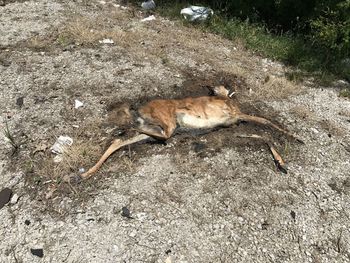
x: 196, y: 198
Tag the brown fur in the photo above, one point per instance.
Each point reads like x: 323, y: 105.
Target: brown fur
x: 159, y: 119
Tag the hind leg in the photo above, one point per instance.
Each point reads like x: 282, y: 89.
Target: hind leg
x: 280, y: 164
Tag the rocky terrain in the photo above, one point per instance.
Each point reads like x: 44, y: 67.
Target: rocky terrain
x: 210, y: 197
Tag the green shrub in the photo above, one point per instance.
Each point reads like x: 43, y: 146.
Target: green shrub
x: 331, y: 29
x: 311, y: 35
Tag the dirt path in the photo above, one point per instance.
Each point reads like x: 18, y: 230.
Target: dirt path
x: 208, y: 198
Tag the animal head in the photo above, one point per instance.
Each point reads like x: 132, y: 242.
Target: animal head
x: 221, y: 91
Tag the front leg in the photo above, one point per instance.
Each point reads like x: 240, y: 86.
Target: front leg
x: 117, y: 144
x: 163, y: 132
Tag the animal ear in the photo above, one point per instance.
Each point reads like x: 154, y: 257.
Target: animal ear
x: 211, y: 90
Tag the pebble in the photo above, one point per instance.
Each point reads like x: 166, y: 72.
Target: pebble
x: 14, y: 199
x: 37, y: 252
x: 5, y: 196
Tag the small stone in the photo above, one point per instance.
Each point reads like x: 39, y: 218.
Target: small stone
x: 314, y: 130
x: 37, y: 252
x: 5, y: 196
x: 133, y: 234
x: 19, y: 102
x: 292, y: 214
x: 126, y: 212
x: 14, y: 199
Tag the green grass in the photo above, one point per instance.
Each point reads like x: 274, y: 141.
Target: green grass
x: 345, y: 93
x: 292, y: 50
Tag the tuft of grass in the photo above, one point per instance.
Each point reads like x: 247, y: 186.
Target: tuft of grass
x: 80, y: 154
x: 11, y: 139
x: 83, y: 31
x: 345, y: 93
x: 277, y: 88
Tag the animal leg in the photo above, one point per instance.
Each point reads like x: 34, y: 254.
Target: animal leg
x: 263, y: 121
x: 117, y: 144
x: 152, y: 130
x: 161, y: 132
x: 280, y: 164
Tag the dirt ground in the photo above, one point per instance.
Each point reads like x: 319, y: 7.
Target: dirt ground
x: 196, y: 198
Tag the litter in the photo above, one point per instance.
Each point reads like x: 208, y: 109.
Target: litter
x: 149, y: 18
x: 196, y: 13
x: 78, y: 104
x: 106, y: 41
x: 148, y: 5
x: 58, y: 158
x: 61, y: 143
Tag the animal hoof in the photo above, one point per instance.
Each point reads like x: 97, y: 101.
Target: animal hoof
x: 84, y: 176
x: 281, y: 167
x: 76, y: 179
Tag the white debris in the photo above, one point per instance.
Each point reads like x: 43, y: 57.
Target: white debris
x: 81, y: 170
x: 102, y: 2
x: 78, y: 104
x: 150, y: 18
x: 148, y: 5
x: 61, y: 143
x: 14, y: 199
x: 196, y: 13
x: 314, y: 130
x: 58, y: 158
x: 106, y: 41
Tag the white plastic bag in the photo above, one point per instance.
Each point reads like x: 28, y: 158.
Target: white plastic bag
x: 196, y: 13
x: 61, y: 143
x: 148, y: 5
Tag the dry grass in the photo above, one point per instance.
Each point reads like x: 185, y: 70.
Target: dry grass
x: 302, y: 112
x: 276, y: 88
x: 82, y: 30
x: 80, y: 154
x: 332, y: 128
x: 38, y: 43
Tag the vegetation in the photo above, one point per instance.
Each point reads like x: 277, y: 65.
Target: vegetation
x: 11, y: 139
x: 313, y: 36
